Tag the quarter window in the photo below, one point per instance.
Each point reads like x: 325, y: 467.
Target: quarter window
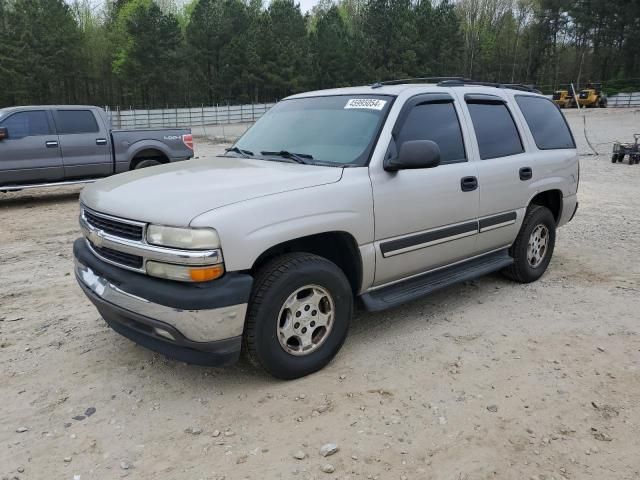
x: 76, y: 121
x: 439, y: 123
x: 547, y: 125
x: 496, y: 131
x: 26, y: 124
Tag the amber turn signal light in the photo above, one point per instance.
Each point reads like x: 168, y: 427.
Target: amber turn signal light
x: 206, y: 274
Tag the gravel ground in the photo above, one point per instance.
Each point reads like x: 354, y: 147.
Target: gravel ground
x: 484, y: 380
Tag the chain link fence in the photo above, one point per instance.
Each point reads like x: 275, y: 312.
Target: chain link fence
x: 624, y: 100
x: 186, y: 117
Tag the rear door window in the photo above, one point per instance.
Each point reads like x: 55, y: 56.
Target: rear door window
x: 495, y: 129
x: 26, y: 124
x: 546, y: 122
x: 76, y: 121
x: 438, y: 122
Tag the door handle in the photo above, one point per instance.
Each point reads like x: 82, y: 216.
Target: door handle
x: 51, y: 144
x: 101, y: 141
x: 468, y: 184
x: 526, y: 173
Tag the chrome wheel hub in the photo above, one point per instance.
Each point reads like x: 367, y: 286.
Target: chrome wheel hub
x: 538, y: 244
x: 305, y: 320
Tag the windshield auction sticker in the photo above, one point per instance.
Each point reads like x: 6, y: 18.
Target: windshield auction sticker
x: 366, y: 103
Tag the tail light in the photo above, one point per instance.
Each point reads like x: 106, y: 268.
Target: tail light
x: 187, y: 139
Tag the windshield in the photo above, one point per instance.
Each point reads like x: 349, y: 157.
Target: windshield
x: 334, y: 130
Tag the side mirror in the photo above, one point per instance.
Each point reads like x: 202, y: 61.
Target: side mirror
x: 415, y: 154
x: 4, y: 133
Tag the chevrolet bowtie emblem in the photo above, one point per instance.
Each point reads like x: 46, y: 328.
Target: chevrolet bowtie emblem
x: 97, y: 238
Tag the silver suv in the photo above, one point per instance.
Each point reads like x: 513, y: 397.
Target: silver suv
x: 378, y: 194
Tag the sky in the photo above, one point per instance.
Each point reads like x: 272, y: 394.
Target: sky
x: 306, y: 5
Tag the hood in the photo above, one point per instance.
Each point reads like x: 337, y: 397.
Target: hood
x: 175, y: 193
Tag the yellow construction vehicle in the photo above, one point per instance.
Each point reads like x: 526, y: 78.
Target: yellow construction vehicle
x: 592, y: 96
x: 563, y: 98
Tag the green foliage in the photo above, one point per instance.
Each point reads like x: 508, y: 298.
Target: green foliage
x: 39, y: 55
x: 152, y: 53
x: 146, y: 51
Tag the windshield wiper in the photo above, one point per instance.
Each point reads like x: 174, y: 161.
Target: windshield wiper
x: 296, y: 157
x: 244, y: 153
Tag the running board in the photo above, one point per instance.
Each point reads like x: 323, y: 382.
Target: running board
x: 10, y: 188
x: 416, y: 287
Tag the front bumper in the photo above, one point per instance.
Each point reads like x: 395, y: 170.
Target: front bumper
x: 194, y: 323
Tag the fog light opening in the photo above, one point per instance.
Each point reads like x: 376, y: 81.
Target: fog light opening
x: 163, y: 333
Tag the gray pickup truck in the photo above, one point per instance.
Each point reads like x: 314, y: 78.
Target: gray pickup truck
x: 58, y: 145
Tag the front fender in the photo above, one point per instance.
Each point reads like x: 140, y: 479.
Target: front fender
x: 249, y: 228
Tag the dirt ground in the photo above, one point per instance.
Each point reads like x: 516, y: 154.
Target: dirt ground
x: 486, y: 380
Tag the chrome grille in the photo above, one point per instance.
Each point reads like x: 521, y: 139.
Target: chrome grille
x: 121, y: 258
x: 122, y: 242
x: 114, y: 227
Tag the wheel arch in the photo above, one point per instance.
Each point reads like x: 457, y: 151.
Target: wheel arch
x: 552, y: 199
x: 338, y: 247
x: 153, y: 151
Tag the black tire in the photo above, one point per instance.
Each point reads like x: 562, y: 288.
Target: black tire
x: 633, y: 159
x: 614, y: 158
x: 149, y: 162
x: 274, y: 283
x: 521, y: 270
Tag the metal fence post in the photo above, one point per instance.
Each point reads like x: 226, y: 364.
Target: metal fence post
x: 204, y: 129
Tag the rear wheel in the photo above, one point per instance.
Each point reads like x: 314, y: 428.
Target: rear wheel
x: 149, y: 162
x: 533, y: 247
x: 299, y: 315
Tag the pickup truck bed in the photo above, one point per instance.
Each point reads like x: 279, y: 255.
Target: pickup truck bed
x: 57, y: 145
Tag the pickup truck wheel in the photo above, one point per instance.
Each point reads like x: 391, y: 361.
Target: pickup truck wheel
x: 533, y: 247
x: 299, y: 315
x: 147, y: 163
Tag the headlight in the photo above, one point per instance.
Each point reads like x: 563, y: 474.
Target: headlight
x: 187, y: 238
x: 182, y: 273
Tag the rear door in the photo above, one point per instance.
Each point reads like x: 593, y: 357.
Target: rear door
x: 84, y: 142
x: 31, y: 153
x: 504, y: 168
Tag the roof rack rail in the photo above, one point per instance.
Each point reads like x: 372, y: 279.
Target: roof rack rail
x: 512, y: 86
x: 416, y: 80
x: 457, y: 82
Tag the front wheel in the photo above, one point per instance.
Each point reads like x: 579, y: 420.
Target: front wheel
x: 299, y: 315
x: 533, y: 247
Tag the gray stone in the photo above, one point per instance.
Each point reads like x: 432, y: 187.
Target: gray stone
x: 328, y: 449
x: 327, y: 468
